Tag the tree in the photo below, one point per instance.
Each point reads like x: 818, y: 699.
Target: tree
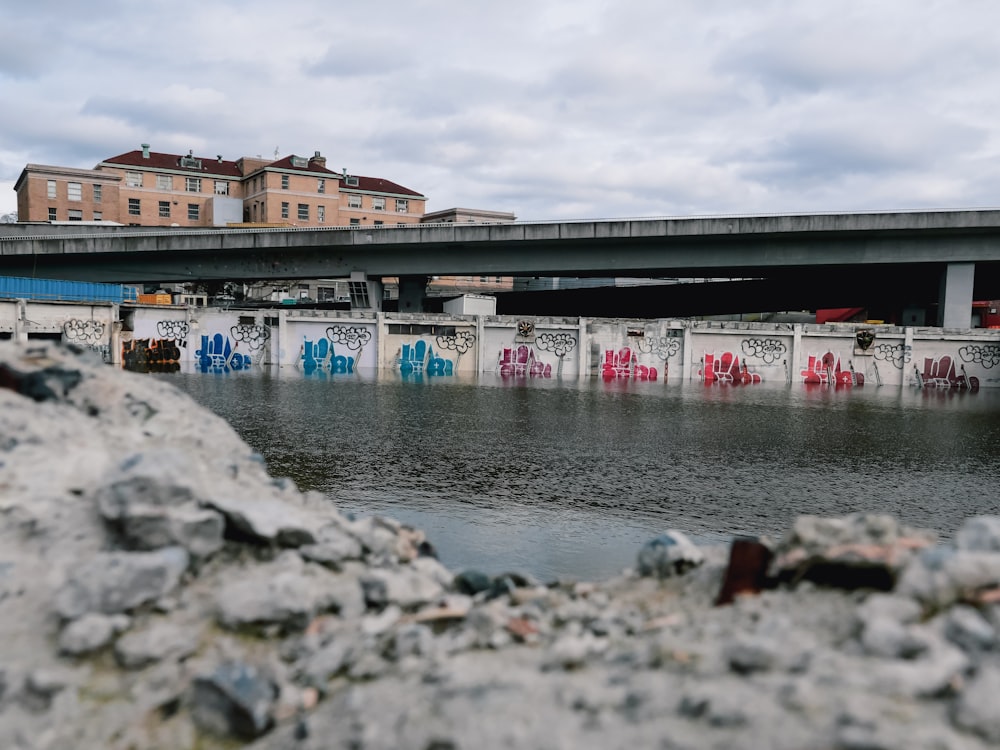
x: 10, y: 218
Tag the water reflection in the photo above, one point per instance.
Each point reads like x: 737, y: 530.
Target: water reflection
x: 568, y: 478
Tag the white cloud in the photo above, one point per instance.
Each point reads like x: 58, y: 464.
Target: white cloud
x: 586, y: 109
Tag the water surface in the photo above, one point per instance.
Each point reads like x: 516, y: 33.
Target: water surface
x: 568, y: 479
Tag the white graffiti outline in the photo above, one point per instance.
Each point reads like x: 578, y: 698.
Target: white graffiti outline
x: 559, y: 344
x: 664, y: 347
x: 987, y: 355
x: 353, y: 337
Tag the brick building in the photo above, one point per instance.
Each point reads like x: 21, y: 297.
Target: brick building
x: 146, y: 188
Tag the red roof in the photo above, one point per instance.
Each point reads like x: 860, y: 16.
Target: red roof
x: 224, y: 168
x: 377, y: 185
x: 174, y: 162
x: 311, y: 166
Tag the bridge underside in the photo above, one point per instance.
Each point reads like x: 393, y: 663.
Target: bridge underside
x: 885, y: 292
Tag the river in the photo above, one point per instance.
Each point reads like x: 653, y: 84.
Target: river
x: 567, y: 479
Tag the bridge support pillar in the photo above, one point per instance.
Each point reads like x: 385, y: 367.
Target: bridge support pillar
x: 955, y: 301
x: 411, y: 293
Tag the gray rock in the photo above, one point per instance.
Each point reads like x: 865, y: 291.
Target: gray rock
x: 941, y: 576
x: 266, y: 519
x: 333, y: 547
x: 979, y: 534
x: 140, y: 648
x: 91, y: 632
x: 669, y: 554
x: 976, y: 707
x: 891, y: 639
x: 968, y: 629
x: 198, y: 530
x: 749, y: 654
x: 407, y: 587
x: 114, y: 582
x: 285, y: 593
x: 234, y: 700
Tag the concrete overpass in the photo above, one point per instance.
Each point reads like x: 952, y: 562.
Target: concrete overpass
x: 956, y: 253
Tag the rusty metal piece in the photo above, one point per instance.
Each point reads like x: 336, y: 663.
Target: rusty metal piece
x: 747, y: 570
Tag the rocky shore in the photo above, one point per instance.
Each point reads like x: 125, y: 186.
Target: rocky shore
x: 159, y: 589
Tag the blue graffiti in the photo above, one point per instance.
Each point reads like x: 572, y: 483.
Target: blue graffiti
x: 418, y: 358
x: 320, y: 355
x: 217, y: 354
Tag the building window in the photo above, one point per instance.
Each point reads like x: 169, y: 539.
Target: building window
x: 359, y: 294
x: 284, y: 182
x: 350, y: 180
x: 98, y: 216
x: 74, y: 191
x: 164, y: 182
x: 97, y: 193
x: 192, y: 184
x: 379, y: 223
x: 378, y: 204
x: 303, y: 212
x: 52, y: 214
x: 133, y: 179
x: 284, y: 209
x: 402, y: 205
x: 321, y: 186
x: 354, y: 201
x: 133, y: 207
x: 221, y: 187
x: 321, y: 214
x: 164, y: 209
x: 75, y: 215
x: 355, y: 222
x: 52, y: 188
x: 193, y: 212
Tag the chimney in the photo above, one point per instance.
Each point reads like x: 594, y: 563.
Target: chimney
x: 318, y: 158
x: 145, y: 150
x: 219, y: 157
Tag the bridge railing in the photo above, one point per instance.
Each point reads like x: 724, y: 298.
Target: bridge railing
x: 211, y: 231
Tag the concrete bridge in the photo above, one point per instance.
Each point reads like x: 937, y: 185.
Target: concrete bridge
x: 952, y: 256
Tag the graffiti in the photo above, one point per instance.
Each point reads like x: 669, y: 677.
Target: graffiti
x: 217, y: 354
x: 151, y: 355
x: 460, y: 342
x: 253, y: 336
x: 826, y: 369
x: 895, y: 354
x: 320, y: 355
x: 173, y: 329
x: 520, y: 361
x: 987, y: 355
x: 83, y: 332
x: 727, y: 368
x: 663, y: 347
x: 354, y: 338
x: 622, y: 364
x: 939, y: 372
x: 419, y: 358
x: 769, y: 350
x: 559, y: 344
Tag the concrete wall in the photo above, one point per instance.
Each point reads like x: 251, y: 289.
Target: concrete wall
x: 440, y: 345
x: 93, y: 326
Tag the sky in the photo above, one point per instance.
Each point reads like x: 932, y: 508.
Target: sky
x: 551, y: 110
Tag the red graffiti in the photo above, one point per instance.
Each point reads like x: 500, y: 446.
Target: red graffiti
x: 826, y: 369
x: 520, y: 361
x: 622, y: 364
x: 727, y: 369
x: 940, y: 373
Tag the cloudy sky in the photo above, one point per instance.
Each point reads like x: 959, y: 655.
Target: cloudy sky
x: 549, y: 109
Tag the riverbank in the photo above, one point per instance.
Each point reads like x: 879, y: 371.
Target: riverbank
x: 160, y: 589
